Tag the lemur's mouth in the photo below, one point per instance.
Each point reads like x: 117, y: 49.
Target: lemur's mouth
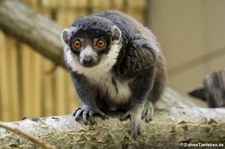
x: 88, y: 65
x: 88, y: 62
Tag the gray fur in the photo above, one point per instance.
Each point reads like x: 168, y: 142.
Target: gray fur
x: 128, y: 75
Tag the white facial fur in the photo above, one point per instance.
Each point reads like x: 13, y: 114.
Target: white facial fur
x: 88, y: 52
x: 104, y: 65
x: 101, y: 75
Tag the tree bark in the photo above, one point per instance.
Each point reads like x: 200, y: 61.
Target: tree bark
x: 213, y: 90
x: 171, y: 128
x: 35, y: 30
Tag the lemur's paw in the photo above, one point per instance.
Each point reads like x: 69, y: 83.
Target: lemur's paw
x: 148, y: 111
x: 134, y: 129
x: 86, y: 113
x: 126, y: 116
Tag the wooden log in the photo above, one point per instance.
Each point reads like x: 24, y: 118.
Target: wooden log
x: 35, y: 30
x: 171, y: 128
x: 213, y: 90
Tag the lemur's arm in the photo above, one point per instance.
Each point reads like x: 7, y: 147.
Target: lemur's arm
x: 88, y: 96
x: 141, y: 66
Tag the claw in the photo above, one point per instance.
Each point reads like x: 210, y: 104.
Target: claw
x: 101, y: 114
x: 147, y: 112
x: 91, y: 113
x: 135, y: 130
x: 77, y: 114
x: 125, y: 116
x: 143, y: 114
x: 135, y: 115
x: 75, y: 111
x: 86, y: 113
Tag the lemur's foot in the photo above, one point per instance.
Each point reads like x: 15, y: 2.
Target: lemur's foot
x: 135, y: 117
x: 148, y: 111
x: 86, y: 113
x: 144, y: 111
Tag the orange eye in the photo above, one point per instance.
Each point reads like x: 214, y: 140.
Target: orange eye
x: 101, y: 43
x: 77, y: 44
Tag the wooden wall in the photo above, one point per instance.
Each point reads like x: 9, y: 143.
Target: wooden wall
x: 192, y: 36
x: 28, y: 88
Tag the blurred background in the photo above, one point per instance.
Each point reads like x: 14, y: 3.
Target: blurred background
x: 190, y: 32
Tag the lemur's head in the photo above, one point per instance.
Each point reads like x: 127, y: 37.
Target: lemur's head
x: 91, y: 41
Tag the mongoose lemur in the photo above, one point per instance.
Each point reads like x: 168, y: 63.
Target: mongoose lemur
x: 116, y: 64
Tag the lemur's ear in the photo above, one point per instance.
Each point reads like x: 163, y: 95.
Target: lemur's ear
x: 65, y: 36
x: 116, y: 33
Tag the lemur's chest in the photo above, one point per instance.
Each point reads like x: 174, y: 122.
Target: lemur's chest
x: 115, y: 91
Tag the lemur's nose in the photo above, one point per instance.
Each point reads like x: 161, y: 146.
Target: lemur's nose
x: 87, y: 59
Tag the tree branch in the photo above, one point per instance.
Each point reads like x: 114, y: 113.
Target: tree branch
x: 27, y: 136
x: 35, y: 30
x: 168, y: 129
x: 213, y: 90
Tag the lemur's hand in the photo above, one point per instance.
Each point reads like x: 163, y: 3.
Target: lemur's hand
x: 86, y: 113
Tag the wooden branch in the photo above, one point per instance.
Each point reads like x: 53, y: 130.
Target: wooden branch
x: 35, y: 30
x: 213, y: 90
x: 170, y: 128
x: 27, y: 136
